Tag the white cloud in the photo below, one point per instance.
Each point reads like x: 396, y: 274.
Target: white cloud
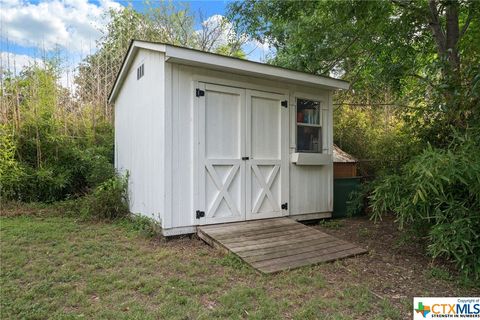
x: 220, y: 29
x: 16, y: 62
x: 73, y: 25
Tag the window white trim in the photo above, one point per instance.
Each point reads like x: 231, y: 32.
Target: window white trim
x: 323, y: 120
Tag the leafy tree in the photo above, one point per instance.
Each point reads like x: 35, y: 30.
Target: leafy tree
x: 394, y: 52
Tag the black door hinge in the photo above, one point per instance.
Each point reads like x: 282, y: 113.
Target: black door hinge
x: 199, y: 93
x: 245, y: 158
x: 200, y: 214
x: 285, y: 103
x: 285, y: 206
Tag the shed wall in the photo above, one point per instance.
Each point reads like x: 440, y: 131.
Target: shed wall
x: 139, y: 138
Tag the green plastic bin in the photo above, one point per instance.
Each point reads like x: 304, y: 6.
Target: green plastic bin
x: 342, y: 187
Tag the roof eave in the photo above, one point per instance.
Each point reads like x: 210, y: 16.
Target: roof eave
x: 213, y: 61
x: 224, y: 63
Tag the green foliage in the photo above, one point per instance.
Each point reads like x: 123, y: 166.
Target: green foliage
x: 232, y: 261
x: 11, y: 172
x: 142, y: 224
x: 439, y: 273
x: 231, y: 50
x: 358, y: 199
x: 409, y: 84
x: 331, y: 224
x: 109, y: 200
x: 443, y: 105
x: 47, y: 155
x: 439, y: 190
x: 66, y: 169
x: 375, y: 136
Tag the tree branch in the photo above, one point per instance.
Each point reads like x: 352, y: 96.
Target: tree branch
x: 467, y: 23
x: 340, y: 56
x: 424, y: 79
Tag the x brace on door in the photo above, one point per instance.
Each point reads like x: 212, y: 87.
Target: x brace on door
x: 266, y: 191
x: 223, y: 189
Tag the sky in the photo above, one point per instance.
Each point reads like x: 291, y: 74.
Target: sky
x: 29, y: 29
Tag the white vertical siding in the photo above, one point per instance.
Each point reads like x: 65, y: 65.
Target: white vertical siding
x: 180, y: 139
x: 139, y: 138
x: 311, y: 187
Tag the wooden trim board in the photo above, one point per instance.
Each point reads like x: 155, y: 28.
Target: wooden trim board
x: 311, y: 216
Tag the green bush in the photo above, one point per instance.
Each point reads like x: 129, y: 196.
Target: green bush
x: 358, y: 199
x: 11, y: 171
x: 439, y: 191
x: 72, y: 175
x: 65, y: 168
x: 49, y: 150
x: 109, y: 200
x: 142, y: 224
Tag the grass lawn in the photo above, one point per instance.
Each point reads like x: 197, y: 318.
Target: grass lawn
x: 57, y: 267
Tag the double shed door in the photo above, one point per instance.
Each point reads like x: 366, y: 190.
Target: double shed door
x: 242, y: 163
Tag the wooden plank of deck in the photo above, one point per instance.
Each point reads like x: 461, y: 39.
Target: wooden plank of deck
x: 272, y: 245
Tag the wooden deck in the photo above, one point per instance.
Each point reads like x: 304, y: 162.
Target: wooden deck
x: 273, y: 245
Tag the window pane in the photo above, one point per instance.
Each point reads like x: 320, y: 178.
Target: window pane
x: 308, y: 111
x: 309, y: 139
x: 309, y: 130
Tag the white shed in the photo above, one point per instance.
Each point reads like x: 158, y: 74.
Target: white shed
x: 210, y: 139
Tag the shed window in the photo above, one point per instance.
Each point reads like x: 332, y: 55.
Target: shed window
x: 309, y: 126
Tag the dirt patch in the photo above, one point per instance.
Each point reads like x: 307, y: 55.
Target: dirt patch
x: 396, y: 267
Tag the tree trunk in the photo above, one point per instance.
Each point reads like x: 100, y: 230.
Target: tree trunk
x: 447, y: 48
x: 453, y: 35
x: 447, y: 42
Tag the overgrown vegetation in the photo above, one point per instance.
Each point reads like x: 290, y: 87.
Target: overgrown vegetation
x: 412, y: 109
x: 107, y: 201
x: 438, y: 192
x: 52, y: 148
x: 56, y: 143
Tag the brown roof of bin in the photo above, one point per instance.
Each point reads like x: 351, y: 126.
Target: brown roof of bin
x: 341, y: 156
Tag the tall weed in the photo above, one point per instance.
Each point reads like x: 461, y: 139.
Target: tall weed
x: 110, y: 199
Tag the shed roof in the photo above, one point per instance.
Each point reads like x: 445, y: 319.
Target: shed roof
x: 341, y: 156
x: 214, y: 61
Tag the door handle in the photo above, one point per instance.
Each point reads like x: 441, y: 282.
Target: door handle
x: 245, y: 158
